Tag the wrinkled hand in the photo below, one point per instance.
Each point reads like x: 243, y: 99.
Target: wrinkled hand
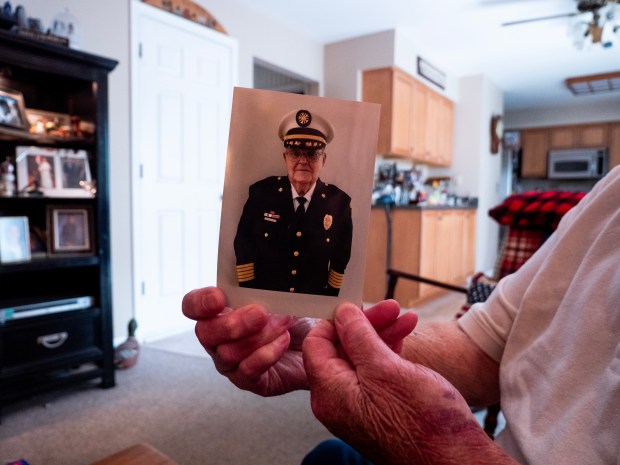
x: 261, y: 352
x: 391, y: 410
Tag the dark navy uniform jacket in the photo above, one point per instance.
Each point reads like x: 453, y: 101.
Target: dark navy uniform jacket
x: 275, y: 253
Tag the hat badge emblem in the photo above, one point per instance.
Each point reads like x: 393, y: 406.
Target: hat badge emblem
x: 303, y: 118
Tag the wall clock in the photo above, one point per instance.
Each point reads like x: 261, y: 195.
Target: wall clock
x: 497, y: 132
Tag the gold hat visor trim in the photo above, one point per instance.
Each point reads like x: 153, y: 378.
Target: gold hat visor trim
x: 304, y: 136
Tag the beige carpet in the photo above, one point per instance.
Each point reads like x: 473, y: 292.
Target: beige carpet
x: 177, y: 403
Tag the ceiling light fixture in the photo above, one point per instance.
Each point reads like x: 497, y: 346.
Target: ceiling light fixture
x: 594, y: 84
x: 599, y: 23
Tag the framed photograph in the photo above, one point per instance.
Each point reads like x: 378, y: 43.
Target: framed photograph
x: 12, y: 110
x: 76, y: 180
x: 70, y: 230
x: 298, y: 257
x: 14, y: 239
x: 53, y: 172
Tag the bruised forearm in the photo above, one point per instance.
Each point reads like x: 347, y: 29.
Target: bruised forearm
x: 446, y: 349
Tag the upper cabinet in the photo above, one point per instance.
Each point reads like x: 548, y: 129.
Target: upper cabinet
x: 416, y: 122
x: 536, y: 143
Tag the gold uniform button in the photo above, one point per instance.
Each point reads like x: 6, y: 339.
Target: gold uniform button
x: 280, y: 189
x: 327, y: 240
x: 298, y: 234
x: 266, y: 234
x: 296, y: 254
x: 323, y: 195
x: 292, y: 289
x: 293, y: 272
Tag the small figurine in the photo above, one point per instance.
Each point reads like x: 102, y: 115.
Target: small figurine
x: 7, y: 178
x: 126, y: 354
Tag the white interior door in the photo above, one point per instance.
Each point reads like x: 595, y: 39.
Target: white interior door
x: 183, y: 78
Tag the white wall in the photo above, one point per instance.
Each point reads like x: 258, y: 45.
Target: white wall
x: 605, y: 107
x: 345, y: 61
x: 477, y: 168
x: 260, y: 37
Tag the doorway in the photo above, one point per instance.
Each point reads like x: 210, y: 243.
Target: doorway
x: 183, y: 76
x: 271, y: 77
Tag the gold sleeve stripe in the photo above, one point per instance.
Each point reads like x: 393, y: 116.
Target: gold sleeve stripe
x: 335, y: 279
x: 245, y: 272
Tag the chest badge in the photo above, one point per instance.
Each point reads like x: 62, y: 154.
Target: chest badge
x: 327, y: 222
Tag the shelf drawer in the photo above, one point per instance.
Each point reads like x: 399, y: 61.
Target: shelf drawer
x: 42, y: 338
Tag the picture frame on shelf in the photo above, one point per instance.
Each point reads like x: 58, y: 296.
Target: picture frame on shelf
x: 70, y: 229
x: 60, y: 125
x: 12, y: 109
x: 14, y: 239
x: 48, y: 122
x: 53, y: 172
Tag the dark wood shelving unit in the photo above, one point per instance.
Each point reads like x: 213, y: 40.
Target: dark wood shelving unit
x: 45, y: 351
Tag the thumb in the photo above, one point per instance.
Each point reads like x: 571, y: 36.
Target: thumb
x: 358, y: 338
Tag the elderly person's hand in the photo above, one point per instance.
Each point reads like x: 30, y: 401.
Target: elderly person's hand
x: 261, y: 352
x: 391, y: 410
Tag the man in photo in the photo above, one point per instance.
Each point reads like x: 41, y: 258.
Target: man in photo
x: 295, y: 231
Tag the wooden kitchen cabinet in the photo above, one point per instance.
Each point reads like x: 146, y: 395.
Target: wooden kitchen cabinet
x: 469, y: 243
x: 445, y: 132
x: 592, y: 135
x: 535, y: 145
x: 434, y: 243
x: 416, y: 122
x: 563, y: 137
x: 614, y: 145
x: 375, y: 278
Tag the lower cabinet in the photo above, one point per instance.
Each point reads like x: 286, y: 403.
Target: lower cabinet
x: 433, y: 243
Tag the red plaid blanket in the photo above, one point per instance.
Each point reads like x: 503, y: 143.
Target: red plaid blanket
x: 517, y: 247
x: 531, y: 217
x: 537, y: 210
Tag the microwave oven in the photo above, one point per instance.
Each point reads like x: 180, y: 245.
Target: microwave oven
x: 577, y: 163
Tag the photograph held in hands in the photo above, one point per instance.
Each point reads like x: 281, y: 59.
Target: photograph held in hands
x: 296, y: 201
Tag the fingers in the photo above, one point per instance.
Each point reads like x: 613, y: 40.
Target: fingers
x: 203, y: 303
x: 358, y: 337
x: 392, y: 327
x: 320, y: 353
x: 382, y: 313
x: 230, y: 352
x: 395, y: 334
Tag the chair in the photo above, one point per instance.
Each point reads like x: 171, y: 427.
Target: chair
x: 528, y: 220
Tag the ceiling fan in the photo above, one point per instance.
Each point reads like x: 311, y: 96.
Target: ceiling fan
x: 594, y: 27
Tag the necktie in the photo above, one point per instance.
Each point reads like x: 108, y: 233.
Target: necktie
x: 300, y: 212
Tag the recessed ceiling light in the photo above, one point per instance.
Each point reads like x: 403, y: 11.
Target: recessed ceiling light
x: 594, y: 84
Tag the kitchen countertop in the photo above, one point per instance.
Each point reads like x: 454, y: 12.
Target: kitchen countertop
x: 467, y: 206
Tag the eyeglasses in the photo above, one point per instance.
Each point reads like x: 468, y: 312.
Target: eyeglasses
x: 311, y: 155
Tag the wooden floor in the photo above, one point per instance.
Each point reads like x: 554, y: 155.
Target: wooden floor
x: 444, y: 307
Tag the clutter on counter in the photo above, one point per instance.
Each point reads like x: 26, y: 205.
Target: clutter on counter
x: 412, y: 186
